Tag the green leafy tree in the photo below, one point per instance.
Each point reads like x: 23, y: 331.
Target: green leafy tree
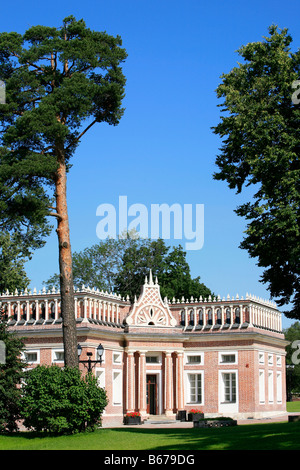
x: 16, y: 249
x: 292, y: 334
x: 11, y: 373
x: 60, y: 82
x: 260, y: 150
x: 177, y: 281
x: 13, y: 275
x: 98, y: 265
x: 136, y: 262
x: 61, y: 400
x: 170, y: 267
x: 121, y: 266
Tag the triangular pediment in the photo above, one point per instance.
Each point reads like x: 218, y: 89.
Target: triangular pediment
x: 150, y: 309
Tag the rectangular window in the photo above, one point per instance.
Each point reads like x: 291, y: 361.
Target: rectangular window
x: 229, y: 382
x: 270, y: 387
x: 152, y: 359
x: 32, y: 357
x: 278, y: 361
x: 58, y: 355
x: 117, y: 358
x: 195, y: 388
x: 261, y: 358
x: 270, y: 359
x: 100, y: 376
x: 117, y: 388
x: 279, y: 387
x: 227, y: 357
x: 261, y: 386
x: 194, y: 359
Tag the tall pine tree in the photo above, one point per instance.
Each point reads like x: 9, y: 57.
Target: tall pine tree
x: 59, y: 83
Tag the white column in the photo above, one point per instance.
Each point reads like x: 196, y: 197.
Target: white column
x: 130, y: 382
x: 18, y: 311
x: 56, y: 309
x: 142, y: 384
x: 168, y: 384
x: 27, y: 310
x: 179, y: 381
x: 231, y: 315
x: 85, y: 302
x: 37, y: 310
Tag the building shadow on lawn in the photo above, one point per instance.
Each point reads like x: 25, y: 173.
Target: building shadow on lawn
x: 271, y: 436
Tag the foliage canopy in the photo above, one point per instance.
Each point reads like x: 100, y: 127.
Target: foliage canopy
x: 260, y: 150
x: 61, y: 400
x: 58, y: 80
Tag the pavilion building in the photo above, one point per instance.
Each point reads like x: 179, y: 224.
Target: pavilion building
x: 223, y: 356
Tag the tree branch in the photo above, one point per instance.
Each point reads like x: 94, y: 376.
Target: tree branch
x: 82, y: 133
x: 54, y: 214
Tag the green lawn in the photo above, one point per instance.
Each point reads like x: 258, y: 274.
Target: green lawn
x: 293, y: 406
x: 271, y: 436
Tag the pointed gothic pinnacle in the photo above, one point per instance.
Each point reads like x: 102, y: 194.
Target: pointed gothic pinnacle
x: 150, y: 278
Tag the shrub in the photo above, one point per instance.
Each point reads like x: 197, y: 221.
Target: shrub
x: 11, y: 373
x: 61, y: 400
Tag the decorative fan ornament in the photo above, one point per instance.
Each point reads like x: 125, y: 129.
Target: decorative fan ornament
x: 151, y: 315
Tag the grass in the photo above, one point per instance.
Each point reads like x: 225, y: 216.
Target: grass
x: 293, y: 406
x: 270, y: 436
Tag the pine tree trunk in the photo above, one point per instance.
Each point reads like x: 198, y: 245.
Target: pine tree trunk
x: 65, y: 266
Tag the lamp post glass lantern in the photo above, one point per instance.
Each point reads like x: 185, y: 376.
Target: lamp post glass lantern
x: 90, y: 362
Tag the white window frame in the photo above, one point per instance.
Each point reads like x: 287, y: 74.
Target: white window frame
x: 154, y: 354
x: 270, y: 359
x: 228, y: 353
x: 261, y: 357
x: 101, y: 377
x: 231, y: 373
x: 54, y: 359
x: 261, y: 387
x: 193, y: 353
x: 278, y: 361
x: 119, y: 360
x: 117, y: 388
x: 270, y: 386
x: 31, y: 351
x: 188, y: 387
x: 279, y: 386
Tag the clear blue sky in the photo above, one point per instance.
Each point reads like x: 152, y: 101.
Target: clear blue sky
x: 163, y: 151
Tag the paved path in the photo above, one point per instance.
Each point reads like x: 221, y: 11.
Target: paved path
x: 188, y: 424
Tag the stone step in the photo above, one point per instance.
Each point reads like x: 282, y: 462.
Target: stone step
x: 160, y: 419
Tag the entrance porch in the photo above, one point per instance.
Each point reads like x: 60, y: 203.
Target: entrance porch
x: 154, y: 387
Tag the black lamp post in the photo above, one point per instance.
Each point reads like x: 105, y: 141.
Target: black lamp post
x: 89, y: 362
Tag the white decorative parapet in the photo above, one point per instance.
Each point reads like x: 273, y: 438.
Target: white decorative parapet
x: 44, y: 306
x: 92, y: 304
x: 207, y: 313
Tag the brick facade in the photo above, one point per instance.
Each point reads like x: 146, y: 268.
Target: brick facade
x: 225, y: 357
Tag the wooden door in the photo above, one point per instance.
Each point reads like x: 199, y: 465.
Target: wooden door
x: 151, y: 387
